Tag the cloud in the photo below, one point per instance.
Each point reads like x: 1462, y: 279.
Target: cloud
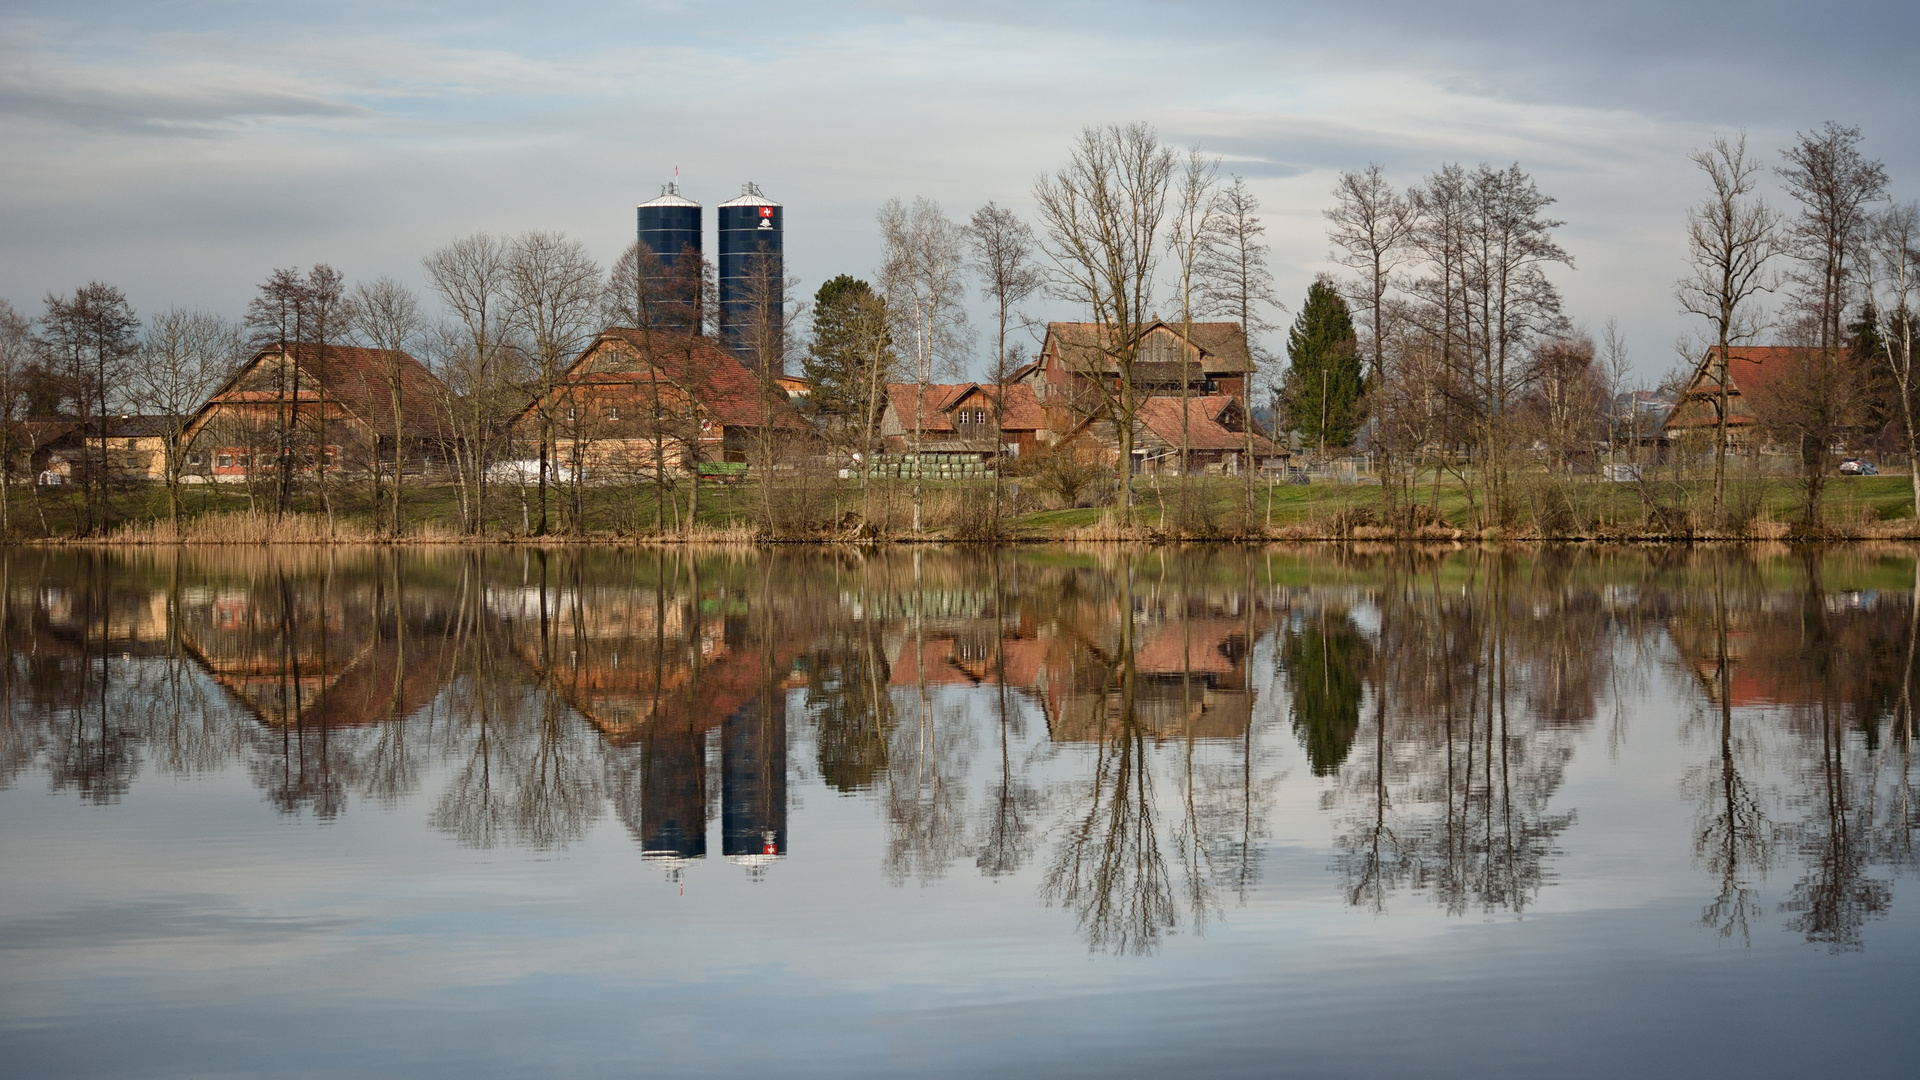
x: 182, y: 150
x: 178, y: 100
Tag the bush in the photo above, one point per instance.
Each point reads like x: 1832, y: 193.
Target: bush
x: 1065, y: 477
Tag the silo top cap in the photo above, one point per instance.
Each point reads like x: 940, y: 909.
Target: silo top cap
x: 671, y: 199
x: 750, y: 196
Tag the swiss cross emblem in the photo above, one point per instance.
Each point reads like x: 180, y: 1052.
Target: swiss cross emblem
x: 771, y: 849
x: 766, y: 211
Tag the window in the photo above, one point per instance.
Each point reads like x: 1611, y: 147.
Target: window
x: 196, y: 458
x: 572, y: 415
x: 223, y: 461
x: 613, y: 412
x: 131, y: 443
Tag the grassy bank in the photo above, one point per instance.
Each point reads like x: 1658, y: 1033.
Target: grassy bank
x: 1206, y: 508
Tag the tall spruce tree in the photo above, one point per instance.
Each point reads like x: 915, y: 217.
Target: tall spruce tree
x: 837, y: 359
x: 1321, y: 394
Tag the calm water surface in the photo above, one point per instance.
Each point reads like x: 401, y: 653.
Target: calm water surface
x: 1232, y: 812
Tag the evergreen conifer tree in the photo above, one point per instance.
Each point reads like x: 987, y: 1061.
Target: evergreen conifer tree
x: 1321, y: 394
x: 845, y: 311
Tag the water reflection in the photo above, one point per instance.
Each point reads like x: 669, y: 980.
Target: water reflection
x: 1119, y: 724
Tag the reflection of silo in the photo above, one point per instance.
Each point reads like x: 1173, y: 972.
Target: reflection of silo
x: 752, y: 268
x: 673, y: 801
x: 670, y: 223
x: 753, y: 799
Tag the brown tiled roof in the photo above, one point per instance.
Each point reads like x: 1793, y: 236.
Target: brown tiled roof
x: 1161, y: 416
x: 1751, y: 372
x: 934, y: 417
x: 722, y: 385
x: 1023, y: 411
x: 355, y: 379
x: 1223, y: 345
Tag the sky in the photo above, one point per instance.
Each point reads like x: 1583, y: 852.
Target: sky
x: 184, y: 150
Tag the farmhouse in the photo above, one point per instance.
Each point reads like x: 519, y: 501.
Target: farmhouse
x: 626, y: 405
x: 959, y: 418
x: 1207, y: 358
x: 333, y: 403
x: 1749, y: 374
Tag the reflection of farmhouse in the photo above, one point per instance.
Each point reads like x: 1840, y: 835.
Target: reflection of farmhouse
x: 660, y: 687
x: 312, y: 665
x: 1189, y: 678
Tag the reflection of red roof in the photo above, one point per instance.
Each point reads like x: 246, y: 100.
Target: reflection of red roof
x: 933, y: 663
x: 375, y: 686
x: 1205, y: 645
x: 619, y: 701
x: 1025, y: 660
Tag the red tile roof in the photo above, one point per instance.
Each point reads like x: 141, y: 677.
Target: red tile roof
x: 1752, y: 371
x: 1023, y: 411
x: 1161, y: 416
x: 351, y: 377
x: 723, y: 386
x: 1223, y: 345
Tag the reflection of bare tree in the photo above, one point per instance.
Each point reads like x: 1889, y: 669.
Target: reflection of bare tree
x: 1834, y: 897
x: 1732, y: 835
x: 1008, y: 819
x: 927, y: 760
x: 531, y: 772
x: 187, y: 727
x: 1108, y: 868
x: 93, y: 747
x: 1454, y: 789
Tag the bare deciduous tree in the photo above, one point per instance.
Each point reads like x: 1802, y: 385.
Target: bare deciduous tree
x: 1892, y: 265
x: 1833, y: 183
x: 387, y: 317
x: 89, y: 337
x: 471, y: 276
x: 1372, y: 229
x: 185, y: 357
x: 1815, y: 401
x: 1101, y: 214
x: 1731, y: 236
x: 920, y: 275
x: 1194, y: 232
x: 553, y: 292
x: 16, y: 353
x: 1235, y: 282
x: 1003, y: 256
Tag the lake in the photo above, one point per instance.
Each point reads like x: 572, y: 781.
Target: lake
x: 1233, y: 811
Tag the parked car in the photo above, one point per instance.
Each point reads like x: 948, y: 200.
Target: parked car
x: 1858, y: 467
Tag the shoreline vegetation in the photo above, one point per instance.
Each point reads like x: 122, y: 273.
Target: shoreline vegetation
x: 1211, y: 510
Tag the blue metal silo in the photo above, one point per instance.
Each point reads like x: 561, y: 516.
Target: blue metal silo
x: 670, y: 223
x: 750, y: 230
